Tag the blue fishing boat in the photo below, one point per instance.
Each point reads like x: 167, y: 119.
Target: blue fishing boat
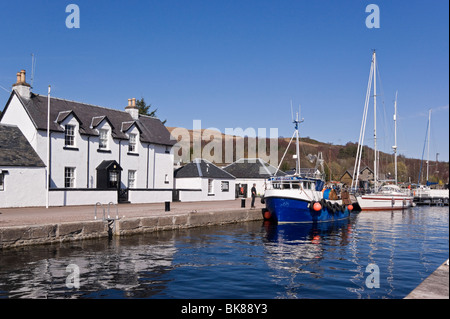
x: 301, y: 197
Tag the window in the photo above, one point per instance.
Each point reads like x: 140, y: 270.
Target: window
x: 132, y: 143
x: 69, y: 177
x: 210, y: 186
x: 131, y: 179
x: 225, y: 186
x: 113, y: 179
x: 2, y: 182
x: 103, y: 139
x: 69, y: 135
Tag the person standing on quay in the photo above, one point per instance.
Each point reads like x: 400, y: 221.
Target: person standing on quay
x: 253, y: 195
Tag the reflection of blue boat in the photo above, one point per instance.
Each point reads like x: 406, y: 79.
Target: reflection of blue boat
x: 306, y: 232
x: 290, y: 245
x: 299, y: 198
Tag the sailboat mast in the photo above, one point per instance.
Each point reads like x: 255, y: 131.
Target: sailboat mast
x: 375, y: 163
x: 428, y: 151
x: 395, y: 138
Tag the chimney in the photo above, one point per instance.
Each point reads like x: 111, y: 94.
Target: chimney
x: 132, y: 109
x: 21, y: 86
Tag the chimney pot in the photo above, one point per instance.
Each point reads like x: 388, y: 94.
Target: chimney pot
x: 133, y: 102
x: 22, y: 76
x: 18, y: 77
x: 129, y: 102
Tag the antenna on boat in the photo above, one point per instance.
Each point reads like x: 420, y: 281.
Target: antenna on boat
x: 292, y: 112
x: 297, y: 146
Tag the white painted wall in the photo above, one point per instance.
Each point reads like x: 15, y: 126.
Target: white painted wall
x: 202, y: 183
x: 16, y: 115
x: 23, y: 187
x: 76, y: 197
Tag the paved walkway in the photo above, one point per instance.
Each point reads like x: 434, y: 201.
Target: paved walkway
x: 434, y: 287
x: 41, y: 215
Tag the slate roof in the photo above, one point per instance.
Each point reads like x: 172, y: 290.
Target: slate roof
x: 15, y: 149
x: 202, y: 168
x: 90, y: 116
x: 252, y: 168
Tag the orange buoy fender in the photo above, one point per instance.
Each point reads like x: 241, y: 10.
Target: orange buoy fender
x: 317, y: 207
x: 267, y: 215
x: 350, y: 207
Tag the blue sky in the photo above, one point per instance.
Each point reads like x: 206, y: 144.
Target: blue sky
x: 239, y: 63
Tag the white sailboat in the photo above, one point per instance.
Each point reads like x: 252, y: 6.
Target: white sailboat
x: 386, y: 197
x: 424, y: 194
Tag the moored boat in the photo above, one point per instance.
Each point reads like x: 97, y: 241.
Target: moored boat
x: 299, y: 198
x: 386, y: 197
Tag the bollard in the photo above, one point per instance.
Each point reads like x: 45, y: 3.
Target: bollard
x: 167, y: 206
x: 243, y: 203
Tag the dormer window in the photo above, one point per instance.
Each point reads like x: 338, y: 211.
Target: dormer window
x: 69, y: 135
x: 103, y: 134
x: 132, y: 143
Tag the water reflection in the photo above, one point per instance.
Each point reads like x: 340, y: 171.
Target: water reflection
x: 115, y: 268
x: 243, y: 260
x: 295, y: 251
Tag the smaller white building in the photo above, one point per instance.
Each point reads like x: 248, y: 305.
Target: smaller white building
x: 249, y: 171
x: 201, y: 180
x: 22, y: 172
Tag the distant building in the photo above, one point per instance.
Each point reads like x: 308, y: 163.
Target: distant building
x: 366, y: 177
x: 249, y: 171
x: 97, y: 154
x: 22, y: 172
x: 201, y: 180
x: 346, y: 178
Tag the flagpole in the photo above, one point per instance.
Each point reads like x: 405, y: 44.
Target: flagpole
x: 48, y: 148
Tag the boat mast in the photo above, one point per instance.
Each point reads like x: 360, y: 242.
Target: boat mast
x: 428, y: 151
x: 375, y: 162
x: 297, y: 146
x: 395, y: 138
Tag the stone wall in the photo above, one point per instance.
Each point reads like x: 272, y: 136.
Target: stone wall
x: 50, y: 233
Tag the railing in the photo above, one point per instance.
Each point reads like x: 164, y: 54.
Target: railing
x: 106, y: 217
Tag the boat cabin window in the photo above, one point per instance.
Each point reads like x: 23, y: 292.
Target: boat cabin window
x: 295, y: 185
x: 286, y: 185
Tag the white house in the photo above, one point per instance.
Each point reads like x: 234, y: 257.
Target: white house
x: 249, y: 171
x: 97, y: 154
x: 22, y: 172
x: 201, y: 180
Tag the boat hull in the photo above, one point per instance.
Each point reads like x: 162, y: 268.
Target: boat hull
x: 293, y: 210
x: 384, y: 202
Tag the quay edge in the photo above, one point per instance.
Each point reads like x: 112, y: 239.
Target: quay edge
x: 435, y: 286
x: 17, y: 236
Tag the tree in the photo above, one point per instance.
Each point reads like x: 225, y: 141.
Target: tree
x: 144, y: 109
x: 402, y: 171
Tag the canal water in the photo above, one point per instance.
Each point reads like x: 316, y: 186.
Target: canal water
x: 371, y: 255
